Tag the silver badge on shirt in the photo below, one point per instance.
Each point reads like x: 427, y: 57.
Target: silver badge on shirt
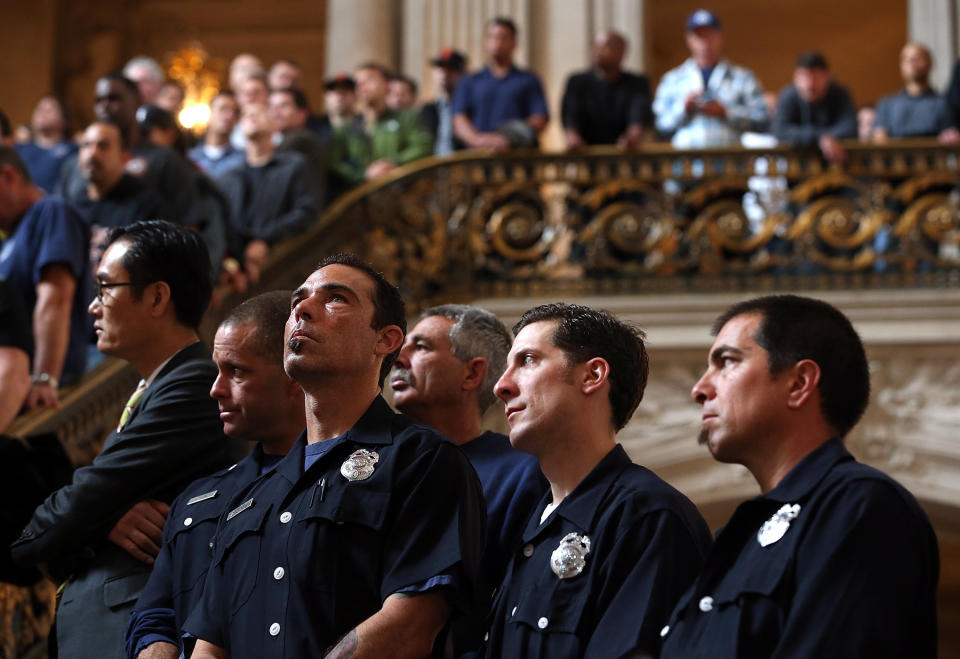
x: 775, y: 527
x: 570, y: 556
x: 359, y: 466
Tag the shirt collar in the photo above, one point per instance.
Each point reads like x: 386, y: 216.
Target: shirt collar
x: 808, y: 473
x: 582, y: 506
x: 374, y: 427
x: 158, y: 369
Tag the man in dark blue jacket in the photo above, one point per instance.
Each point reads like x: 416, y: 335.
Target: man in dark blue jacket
x: 258, y: 403
x: 834, y: 558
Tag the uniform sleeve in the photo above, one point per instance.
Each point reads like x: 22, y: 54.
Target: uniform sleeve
x: 651, y: 565
x: 206, y: 621
x: 866, y: 580
x: 438, y: 524
x: 173, y: 435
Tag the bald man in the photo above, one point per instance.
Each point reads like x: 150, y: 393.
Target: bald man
x: 606, y: 105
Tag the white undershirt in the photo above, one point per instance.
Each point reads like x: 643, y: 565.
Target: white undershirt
x: 546, y: 511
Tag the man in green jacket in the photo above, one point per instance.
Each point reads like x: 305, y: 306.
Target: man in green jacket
x: 379, y: 139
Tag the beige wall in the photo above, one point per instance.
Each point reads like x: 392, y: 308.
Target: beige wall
x: 26, y: 55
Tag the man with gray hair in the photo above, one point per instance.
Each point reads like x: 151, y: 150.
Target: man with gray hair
x: 444, y: 377
x: 148, y: 75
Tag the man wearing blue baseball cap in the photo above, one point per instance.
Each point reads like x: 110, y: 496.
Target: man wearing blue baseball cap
x: 707, y: 101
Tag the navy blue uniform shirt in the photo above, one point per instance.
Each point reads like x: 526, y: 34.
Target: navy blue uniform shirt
x: 303, y: 557
x: 647, y: 542
x: 176, y: 581
x: 853, y: 574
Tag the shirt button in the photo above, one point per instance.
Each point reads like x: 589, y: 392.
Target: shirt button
x: 188, y: 521
x: 664, y: 631
x: 278, y: 574
x: 528, y: 550
x: 512, y: 613
x: 706, y: 604
x: 486, y: 637
x: 542, y: 623
x: 274, y: 629
x: 285, y: 517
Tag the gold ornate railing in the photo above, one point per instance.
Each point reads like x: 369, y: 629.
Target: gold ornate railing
x: 606, y: 220
x: 609, y: 221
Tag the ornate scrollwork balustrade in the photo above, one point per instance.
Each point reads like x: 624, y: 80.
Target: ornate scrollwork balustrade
x: 605, y: 220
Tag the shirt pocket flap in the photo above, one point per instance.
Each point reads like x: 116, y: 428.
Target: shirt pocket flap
x: 351, y: 504
x: 191, y: 517
x: 248, y: 521
x: 123, y: 590
x: 762, y: 579
x: 547, y: 610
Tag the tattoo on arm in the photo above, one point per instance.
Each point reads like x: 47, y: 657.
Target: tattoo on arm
x: 346, y: 647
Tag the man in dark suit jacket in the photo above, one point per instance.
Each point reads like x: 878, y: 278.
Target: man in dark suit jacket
x: 153, y: 286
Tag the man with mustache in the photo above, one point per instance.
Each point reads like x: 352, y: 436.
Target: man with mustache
x: 834, y: 558
x: 258, y: 403
x: 444, y: 377
x: 610, y: 548
x: 368, y: 534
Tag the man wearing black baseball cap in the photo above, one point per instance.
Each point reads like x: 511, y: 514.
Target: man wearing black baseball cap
x: 437, y: 117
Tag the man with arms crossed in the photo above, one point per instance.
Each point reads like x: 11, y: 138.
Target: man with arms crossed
x: 607, y: 552
x: 364, y: 538
x: 153, y: 286
x: 258, y: 403
x: 834, y: 558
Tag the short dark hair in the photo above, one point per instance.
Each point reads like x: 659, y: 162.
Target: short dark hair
x: 266, y: 315
x: 154, y: 116
x: 375, y: 66
x: 407, y: 80
x: 794, y: 328
x: 583, y: 333
x: 812, y: 60
x: 162, y: 251
x: 388, y: 305
x: 124, y: 137
x: 477, y: 333
x: 64, y: 113
x: 129, y: 84
x: 10, y: 158
x: 504, y: 22
x: 297, y: 96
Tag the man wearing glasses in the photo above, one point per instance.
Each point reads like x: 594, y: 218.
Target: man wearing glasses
x: 92, y: 536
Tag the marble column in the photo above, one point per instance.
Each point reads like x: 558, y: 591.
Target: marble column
x: 360, y: 31
x: 934, y: 24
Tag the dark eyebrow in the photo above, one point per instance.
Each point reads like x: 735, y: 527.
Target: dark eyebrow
x: 330, y: 286
x: 718, y: 352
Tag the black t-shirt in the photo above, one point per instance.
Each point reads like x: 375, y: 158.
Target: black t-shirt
x: 601, y: 110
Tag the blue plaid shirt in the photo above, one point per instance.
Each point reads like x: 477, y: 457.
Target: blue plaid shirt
x: 735, y: 87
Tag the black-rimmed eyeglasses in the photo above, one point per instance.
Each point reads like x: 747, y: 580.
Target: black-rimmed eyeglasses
x: 101, y: 286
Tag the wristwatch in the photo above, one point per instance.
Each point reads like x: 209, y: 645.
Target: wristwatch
x: 44, y: 379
